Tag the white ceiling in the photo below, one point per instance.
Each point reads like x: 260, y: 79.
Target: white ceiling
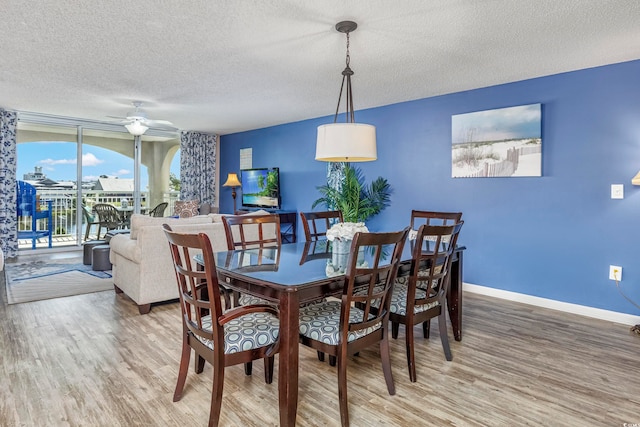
x: 231, y: 65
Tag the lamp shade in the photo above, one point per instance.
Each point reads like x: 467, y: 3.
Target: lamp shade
x: 232, y: 181
x: 346, y: 142
x: 136, y: 128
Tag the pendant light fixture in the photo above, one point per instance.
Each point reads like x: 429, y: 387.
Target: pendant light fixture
x: 350, y: 141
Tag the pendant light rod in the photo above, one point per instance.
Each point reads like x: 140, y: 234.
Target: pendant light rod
x: 346, y: 27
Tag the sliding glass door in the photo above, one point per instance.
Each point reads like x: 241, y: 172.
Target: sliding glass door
x: 48, y: 153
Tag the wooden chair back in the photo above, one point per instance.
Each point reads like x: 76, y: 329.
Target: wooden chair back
x: 368, y: 286
x: 252, y: 231
x: 316, y: 224
x: 434, y: 218
x: 432, y: 254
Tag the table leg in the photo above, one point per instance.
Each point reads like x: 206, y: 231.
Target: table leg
x: 454, y: 297
x: 288, y: 357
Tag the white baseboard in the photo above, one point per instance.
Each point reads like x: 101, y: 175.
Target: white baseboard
x: 610, y: 316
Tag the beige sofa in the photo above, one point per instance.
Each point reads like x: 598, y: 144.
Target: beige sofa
x: 142, y: 264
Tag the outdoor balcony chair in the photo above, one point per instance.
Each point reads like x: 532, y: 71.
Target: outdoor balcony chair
x: 108, y: 217
x: 158, y: 211
x: 30, y: 206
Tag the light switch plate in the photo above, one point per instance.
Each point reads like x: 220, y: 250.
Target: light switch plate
x: 617, y: 191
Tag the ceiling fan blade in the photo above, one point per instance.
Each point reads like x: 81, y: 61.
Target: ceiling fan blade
x: 161, y: 126
x: 158, y: 122
x: 119, y: 118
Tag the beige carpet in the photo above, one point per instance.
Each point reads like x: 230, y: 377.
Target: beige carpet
x: 38, y: 280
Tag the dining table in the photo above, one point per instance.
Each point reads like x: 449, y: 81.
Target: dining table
x: 296, y: 273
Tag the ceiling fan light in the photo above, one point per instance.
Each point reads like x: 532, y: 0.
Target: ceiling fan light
x: 136, y: 128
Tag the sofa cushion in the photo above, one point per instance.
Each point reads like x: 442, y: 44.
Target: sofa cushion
x: 139, y: 220
x: 186, y: 208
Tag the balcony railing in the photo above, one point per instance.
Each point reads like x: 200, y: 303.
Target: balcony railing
x: 64, y: 206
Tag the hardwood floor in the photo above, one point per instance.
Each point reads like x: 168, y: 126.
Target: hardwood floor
x: 92, y: 360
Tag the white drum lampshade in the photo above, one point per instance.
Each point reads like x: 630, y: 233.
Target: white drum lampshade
x: 346, y: 142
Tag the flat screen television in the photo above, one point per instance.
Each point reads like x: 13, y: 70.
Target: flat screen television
x: 260, y: 188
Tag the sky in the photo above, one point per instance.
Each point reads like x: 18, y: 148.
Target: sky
x: 58, y: 161
x: 495, y: 125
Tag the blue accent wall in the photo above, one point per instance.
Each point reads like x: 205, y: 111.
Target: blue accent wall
x: 552, y: 236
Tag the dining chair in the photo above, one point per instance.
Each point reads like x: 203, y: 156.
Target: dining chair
x: 158, y: 210
x: 222, y: 338
x: 419, y: 217
x: 108, y: 217
x: 316, y: 224
x: 421, y: 296
x: 347, y: 326
x: 249, y: 232
x: 252, y: 231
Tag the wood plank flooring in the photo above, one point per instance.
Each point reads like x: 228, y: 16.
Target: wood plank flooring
x: 92, y: 360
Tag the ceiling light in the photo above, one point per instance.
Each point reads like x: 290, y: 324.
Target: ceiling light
x: 350, y: 141
x: 136, y: 128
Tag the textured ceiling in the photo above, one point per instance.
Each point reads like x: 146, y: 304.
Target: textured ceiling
x: 231, y: 65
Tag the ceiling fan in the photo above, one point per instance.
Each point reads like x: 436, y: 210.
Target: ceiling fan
x: 137, y: 122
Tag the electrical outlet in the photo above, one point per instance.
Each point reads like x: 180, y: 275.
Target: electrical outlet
x: 617, y: 191
x: 615, y: 272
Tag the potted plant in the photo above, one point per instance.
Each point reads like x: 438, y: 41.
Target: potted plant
x: 356, y: 200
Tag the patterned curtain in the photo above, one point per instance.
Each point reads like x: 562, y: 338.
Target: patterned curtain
x: 198, y: 166
x: 8, y: 165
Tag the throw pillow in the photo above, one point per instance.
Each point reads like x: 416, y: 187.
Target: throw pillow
x: 186, y: 208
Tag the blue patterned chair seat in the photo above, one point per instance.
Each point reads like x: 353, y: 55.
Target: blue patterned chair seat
x: 399, y: 297
x: 250, y: 331
x: 246, y: 299
x: 321, y: 322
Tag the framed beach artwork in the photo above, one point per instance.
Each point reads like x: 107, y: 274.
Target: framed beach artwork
x: 503, y: 142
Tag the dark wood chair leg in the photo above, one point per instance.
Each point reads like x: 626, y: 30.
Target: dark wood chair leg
x: 332, y: 360
x: 426, y: 326
x: 395, y: 327
x: 342, y: 390
x: 442, y: 325
x: 320, y: 356
x: 199, y: 364
x: 268, y: 369
x: 411, y: 357
x: 385, y: 355
x: 216, y: 394
x: 182, y: 372
x: 248, y: 368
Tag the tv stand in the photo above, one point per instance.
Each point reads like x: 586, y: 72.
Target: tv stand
x: 288, y: 221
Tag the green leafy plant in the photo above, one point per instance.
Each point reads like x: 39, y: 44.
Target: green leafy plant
x: 356, y: 200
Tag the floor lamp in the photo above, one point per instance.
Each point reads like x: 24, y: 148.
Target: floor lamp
x: 233, y: 182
